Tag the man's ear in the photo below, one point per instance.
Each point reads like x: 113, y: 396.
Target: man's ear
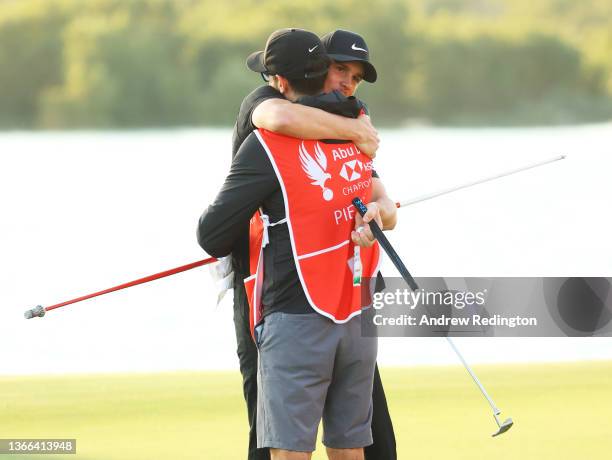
x: 283, y: 84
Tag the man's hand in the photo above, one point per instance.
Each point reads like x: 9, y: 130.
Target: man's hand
x: 362, y: 236
x: 366, y: 137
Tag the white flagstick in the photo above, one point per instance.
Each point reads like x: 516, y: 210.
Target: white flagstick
x: 429, y: 196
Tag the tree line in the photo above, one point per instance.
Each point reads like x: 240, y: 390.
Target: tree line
x: 68, y: 64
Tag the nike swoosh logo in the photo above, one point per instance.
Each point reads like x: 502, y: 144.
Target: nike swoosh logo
x: 356, y: 48
x: 310, y: 50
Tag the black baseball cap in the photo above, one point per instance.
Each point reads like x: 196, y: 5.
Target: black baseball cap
x: 289, y: 52
x: 343, y: 46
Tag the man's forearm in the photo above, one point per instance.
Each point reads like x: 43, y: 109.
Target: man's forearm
x: 284, y: 117
x: 304, y: 122
x: 388, y: 213
x: 388, y: 210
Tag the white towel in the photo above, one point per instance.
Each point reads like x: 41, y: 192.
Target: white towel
x: 223, y: 276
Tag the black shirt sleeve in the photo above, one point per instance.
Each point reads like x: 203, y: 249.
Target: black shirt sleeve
x: 251, y: 179
x: 334, y: 102
x: 244, y: 122
x: 364, y: 107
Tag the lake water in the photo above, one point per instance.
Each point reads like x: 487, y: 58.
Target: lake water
x: 82, y: 212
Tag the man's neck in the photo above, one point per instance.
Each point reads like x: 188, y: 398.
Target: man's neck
x: 289, y: 93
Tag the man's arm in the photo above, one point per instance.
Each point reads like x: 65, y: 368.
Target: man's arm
x: 387, y: 207
x: 250, y: 180
x: 381, y: 209
x: 284, y: 117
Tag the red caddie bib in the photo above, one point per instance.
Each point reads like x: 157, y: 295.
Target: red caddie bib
x: 318, y: 182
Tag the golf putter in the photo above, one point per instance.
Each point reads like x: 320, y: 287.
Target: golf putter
x: 386, y: 245
x: 507, y: 424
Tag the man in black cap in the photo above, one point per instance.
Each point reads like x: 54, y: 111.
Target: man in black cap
x: 266, y: 107
x: 301, y: 385
x: 350, y: 62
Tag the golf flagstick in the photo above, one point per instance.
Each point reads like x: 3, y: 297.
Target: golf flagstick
x: 499, y: 175
x: 39, y: 311
x: 386, y: 245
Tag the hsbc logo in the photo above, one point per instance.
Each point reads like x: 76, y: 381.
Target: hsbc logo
x: 351, y: 170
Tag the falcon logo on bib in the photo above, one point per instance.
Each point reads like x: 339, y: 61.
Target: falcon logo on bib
x: 316, y: 169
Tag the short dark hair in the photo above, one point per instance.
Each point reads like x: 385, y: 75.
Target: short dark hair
x: 311, y: 86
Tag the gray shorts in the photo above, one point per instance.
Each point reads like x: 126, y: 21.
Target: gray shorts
x: 312, y: 368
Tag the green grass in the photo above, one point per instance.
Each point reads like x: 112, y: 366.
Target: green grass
x: 561, y: 411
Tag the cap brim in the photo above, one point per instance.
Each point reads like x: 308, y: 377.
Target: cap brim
x: 370, y: 74
x: 255, y: 62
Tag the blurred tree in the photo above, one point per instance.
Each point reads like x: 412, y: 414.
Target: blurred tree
x: 112, y: 63
x: 485, y: 78
x: 124, y: 69
x: 30, y: 61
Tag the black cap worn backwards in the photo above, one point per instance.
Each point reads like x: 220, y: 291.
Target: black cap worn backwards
x: 343, y: 46
x: 288, y: 53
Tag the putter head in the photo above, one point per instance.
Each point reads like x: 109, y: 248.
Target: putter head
x: 39, y: 310
x: 504, y: 427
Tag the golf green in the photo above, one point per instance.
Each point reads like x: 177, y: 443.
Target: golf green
x: 561, y: 411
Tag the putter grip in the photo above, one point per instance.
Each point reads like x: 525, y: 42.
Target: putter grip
x: 386, y: 245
